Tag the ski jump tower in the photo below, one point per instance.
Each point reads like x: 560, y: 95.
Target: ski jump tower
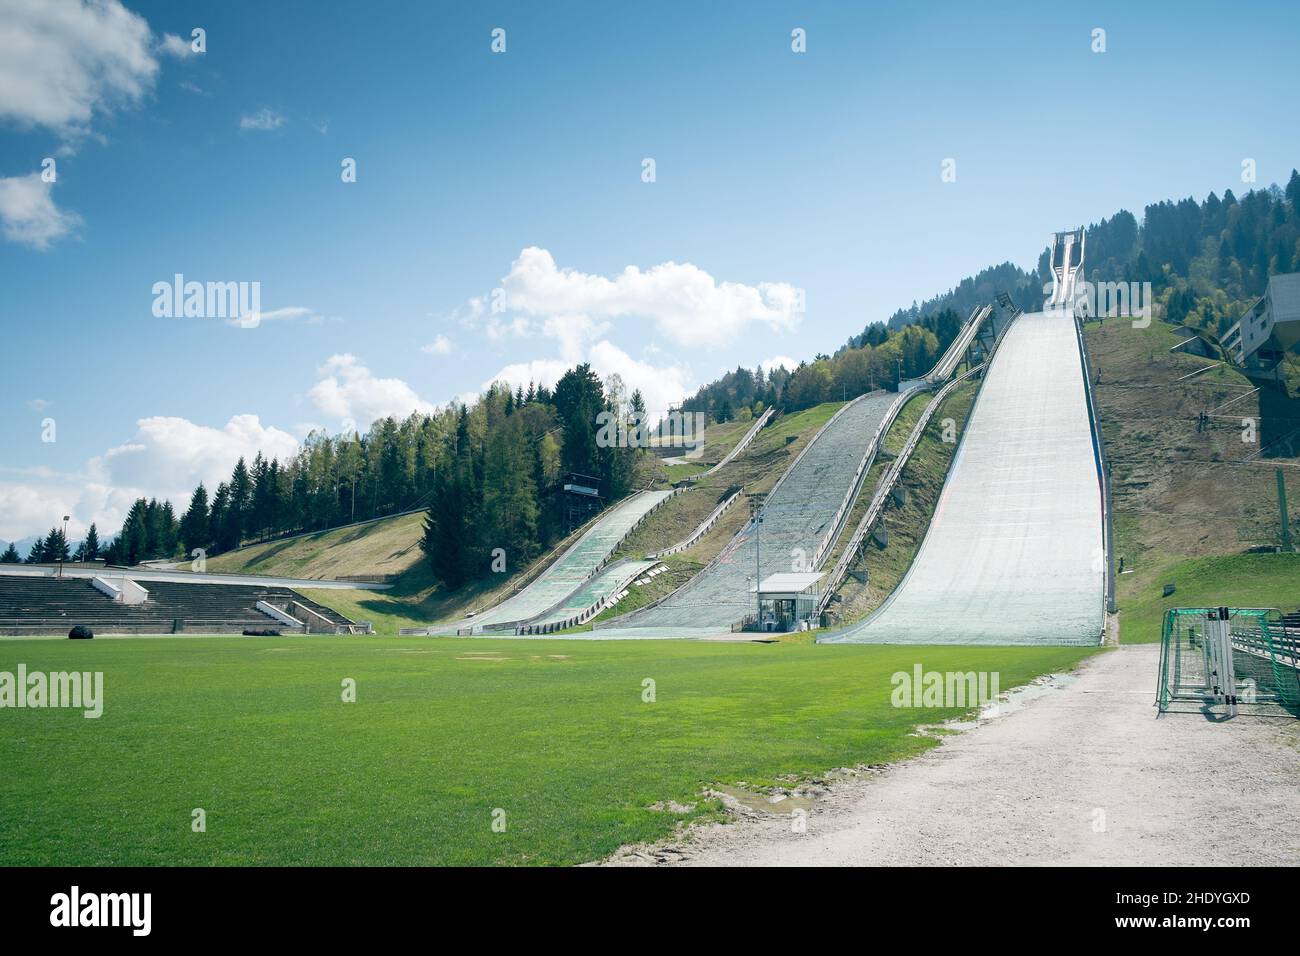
x: 1067, y: 267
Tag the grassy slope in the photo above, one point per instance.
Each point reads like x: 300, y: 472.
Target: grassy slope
x: 443, y: 732
x: 388, y: 546
x: 1177, y: 496
x: 1239, y: 580
x: 417, y: 600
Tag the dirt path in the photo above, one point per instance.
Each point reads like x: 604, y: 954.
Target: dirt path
x: 1084, y: 773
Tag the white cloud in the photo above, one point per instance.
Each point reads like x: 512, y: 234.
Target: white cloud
x: 28, y: 213
x: 497, y: 329
x: 685, y: 303
x: 661, y: 386
x: 63, y: 61
x: 172, y: 45
x: 776, y: 361
x: 288, y: 313
x: 165, y: 458
x: 174, y: 454
x: 439, y: 346
x: 347, y: 391
x: 27, y: 509
x: 39, y: 404
x: 263, y: 119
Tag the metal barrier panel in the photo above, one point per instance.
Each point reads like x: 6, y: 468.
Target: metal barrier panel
x: 1199, y: 649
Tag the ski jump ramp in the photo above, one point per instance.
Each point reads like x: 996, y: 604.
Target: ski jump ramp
x: 1015, y: 552
x: 569, y: 572
x: 798, y: 515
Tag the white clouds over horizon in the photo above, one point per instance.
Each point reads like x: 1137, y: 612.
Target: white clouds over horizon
x: 580, y: 312
x: 348, y: 392
x: 63, y: 61
x: 660, y: 386
x: 165, y: 459
x: 683, y: 302
x: 778, y: 361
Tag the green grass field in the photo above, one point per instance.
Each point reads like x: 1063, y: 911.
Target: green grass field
x: 387, y: 546
x: 444, y: 732
x: 1237, y: 580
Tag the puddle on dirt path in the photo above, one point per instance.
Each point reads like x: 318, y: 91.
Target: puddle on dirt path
x: 1009, y: 703
x: 776, y: 802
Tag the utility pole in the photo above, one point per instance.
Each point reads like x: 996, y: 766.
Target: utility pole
x: 1287, y: 546
x: 65, y: 538
x: 756, y: 503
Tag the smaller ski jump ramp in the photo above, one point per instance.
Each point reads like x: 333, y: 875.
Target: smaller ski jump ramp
x: 572, y: 569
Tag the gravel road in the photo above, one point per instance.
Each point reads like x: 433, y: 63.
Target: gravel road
x: 1080, y: 772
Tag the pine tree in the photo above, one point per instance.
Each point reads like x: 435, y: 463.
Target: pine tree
x: 234, y: 522
x: 217, y: 516
x: 444, y: 528
x: 90, y: 547
x: 135, y: 534
x: 37, y: 554
x: 56, y: 547
x: 509, y: 501
x: 579, y: 398
x: 11, y: 555
x: 194, y: 523
x: 170, y: 531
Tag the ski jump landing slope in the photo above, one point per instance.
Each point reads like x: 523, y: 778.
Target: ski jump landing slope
x: 1014, y: 553
x: 798, y: 514
x: 571, y: 569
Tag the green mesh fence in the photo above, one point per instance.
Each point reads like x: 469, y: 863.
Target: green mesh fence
x: 1265, y: 662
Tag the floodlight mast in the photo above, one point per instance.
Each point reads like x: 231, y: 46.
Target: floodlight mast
x: 758, y: 572
x: 64, y: 545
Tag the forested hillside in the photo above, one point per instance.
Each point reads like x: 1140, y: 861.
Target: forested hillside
x: 488, y: 475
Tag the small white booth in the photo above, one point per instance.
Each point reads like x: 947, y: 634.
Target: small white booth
x: 786, y: 600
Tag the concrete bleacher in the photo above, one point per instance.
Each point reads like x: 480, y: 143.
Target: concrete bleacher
x: 48, y: 605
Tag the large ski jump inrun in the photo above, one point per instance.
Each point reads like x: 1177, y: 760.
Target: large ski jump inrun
x: 1014, y: 553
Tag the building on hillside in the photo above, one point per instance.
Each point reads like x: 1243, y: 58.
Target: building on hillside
x: 1268, y: 328
x: 788, y: 600
x: 582, y: 499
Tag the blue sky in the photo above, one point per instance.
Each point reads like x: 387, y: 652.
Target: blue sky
x: 522, y: 171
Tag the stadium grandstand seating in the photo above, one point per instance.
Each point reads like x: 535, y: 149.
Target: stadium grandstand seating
x: 48, y: 605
